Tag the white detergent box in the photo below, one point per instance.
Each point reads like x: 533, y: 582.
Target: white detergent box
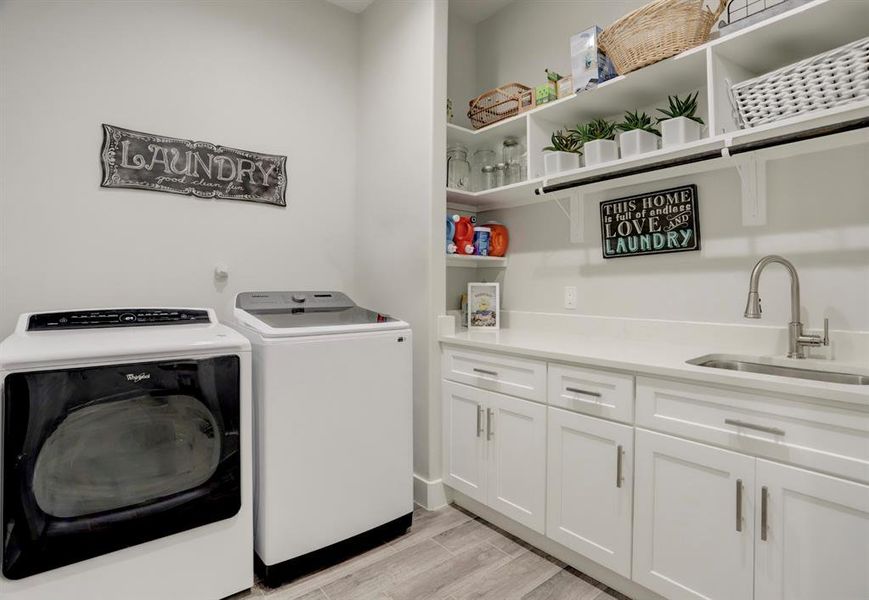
x: 588, y: 64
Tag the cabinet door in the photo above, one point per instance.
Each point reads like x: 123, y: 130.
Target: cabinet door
x: 517, y: 459
x: 688, y: 539
x: 590, y: 487
x: 464, y: 439
x: 816, y: 535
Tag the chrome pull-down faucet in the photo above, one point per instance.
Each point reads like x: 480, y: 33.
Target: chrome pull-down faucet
x: 798, y: 339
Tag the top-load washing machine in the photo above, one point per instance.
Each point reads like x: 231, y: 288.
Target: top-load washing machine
x: 333, y: 403
x: 126, y: 456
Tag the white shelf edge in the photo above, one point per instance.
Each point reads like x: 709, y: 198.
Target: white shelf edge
x: 473, y: 261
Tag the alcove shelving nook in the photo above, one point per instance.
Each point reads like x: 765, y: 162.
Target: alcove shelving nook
x: 710, y: 69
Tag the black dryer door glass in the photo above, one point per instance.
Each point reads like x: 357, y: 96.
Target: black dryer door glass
x: 103, y: 458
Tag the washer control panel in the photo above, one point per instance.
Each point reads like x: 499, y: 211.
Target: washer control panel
x: 116, y: 317
x: 291, y: 301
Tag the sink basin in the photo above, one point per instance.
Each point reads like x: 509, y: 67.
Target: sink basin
x: 766, y: 366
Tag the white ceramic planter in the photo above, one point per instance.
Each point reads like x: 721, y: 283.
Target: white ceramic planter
x: 678, y: 131
x: 636, y: 142
x: 600, y: 151
x: 556, y: 162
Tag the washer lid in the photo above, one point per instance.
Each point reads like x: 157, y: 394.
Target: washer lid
x: 308, y: 313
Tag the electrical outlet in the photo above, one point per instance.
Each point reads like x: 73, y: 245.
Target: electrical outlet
x: 570, y: 297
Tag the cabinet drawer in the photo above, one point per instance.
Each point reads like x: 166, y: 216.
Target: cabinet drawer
x: 821, y: 437
x: 506, y: 374
x: 597, y: 393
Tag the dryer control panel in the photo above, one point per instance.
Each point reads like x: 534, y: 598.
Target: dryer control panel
x: 116, y: 317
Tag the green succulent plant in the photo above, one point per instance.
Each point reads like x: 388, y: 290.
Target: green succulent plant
x: 681, y: 108
x: 637, y: 121
x: 599, y: 129
x: 564, y: 142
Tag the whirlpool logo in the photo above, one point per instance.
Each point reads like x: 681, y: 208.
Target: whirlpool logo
x: 137, y: 377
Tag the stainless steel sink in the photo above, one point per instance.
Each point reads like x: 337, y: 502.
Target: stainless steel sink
x: 767, y: 367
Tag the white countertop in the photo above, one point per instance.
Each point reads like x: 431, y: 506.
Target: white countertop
x: 660, y: 359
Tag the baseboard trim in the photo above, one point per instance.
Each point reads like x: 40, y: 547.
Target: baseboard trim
x: 431, y: 495
x: 575, y: 560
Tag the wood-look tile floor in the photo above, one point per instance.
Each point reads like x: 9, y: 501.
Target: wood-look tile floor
x: 448, y: 554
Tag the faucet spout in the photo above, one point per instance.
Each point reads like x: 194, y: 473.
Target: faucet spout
x: 797, y: 340
x: 752, y: 307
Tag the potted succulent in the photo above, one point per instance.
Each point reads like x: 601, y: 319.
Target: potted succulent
x: 597, y: 139
x: 639, y: 135
x: 563, y: 154
x: 680, y: 125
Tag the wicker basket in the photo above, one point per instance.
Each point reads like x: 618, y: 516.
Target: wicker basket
x: 500, y: 103
x: 840, y: 76
x: 658, y: 30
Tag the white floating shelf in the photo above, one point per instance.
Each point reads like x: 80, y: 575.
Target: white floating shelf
x: 473, y: 262
x: 501, y: 197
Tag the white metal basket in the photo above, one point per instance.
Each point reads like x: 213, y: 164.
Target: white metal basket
x: 834, y: 78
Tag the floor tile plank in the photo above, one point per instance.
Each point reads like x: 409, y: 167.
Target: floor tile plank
x: 511, y: 581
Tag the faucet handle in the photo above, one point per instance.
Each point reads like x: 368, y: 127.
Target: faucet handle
x: 826, y: 340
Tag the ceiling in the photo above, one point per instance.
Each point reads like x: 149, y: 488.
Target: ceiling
x: 356, y: 6
x: 474, y: 11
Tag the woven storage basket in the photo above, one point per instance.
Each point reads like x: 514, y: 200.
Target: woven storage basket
x: 837, y: 77
x: 656, y: 31
x: 500, y: 103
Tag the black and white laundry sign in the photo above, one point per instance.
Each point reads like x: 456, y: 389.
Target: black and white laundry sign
x: 653, y: 223
x: 132, y: 159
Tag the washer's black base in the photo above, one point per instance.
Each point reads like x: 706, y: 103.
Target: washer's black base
x: 279, y: 573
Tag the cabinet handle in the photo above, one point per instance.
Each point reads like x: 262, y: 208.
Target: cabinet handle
x: 619, y: 454
x: 486, y: 372
x: 479, y: 420
x: 765, y: 429
x: 489, y: 433
x: 585, y: 392
x: 764, y: 519
x: 738, y: 505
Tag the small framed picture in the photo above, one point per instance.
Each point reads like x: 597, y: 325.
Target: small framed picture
x: 484, y: 304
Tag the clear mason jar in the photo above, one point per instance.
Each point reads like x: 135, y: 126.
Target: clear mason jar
x: 458, y: 168
x: 488, y: 177
x: 482, y: 158
x: 500, y: 174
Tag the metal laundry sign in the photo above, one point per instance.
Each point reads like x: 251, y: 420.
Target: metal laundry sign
x: 653, y: 223
x: 132, y: 159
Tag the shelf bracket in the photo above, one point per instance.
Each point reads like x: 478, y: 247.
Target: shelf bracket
x: 752, y: 173
x: 575, y: 215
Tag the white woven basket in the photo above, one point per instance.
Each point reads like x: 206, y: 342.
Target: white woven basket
x: 834, y: 78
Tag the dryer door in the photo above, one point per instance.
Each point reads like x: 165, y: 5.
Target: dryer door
x: 98, y: 459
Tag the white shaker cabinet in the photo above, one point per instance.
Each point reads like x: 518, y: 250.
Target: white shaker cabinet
x: 813, y: 535
x: 495, y: 451
x: 693, y: 519
x: 590, y: 487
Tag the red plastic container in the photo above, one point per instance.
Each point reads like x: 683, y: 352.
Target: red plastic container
x: 464, y: 238
x: 498, y: 240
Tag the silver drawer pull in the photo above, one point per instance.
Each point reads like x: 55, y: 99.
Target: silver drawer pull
x: 479, y: 420
x: 738, y: 505
x: 619, y: 477
x: 485, y: 372
x: 763, y: 428
x: 584, y: 392
x: 489, y: 433
x: 764, y: 516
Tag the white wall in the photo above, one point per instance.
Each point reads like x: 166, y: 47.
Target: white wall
x: 275, y: 77
x: 818, y: 218
x: 462, y: 82
x: 521, y: 40
x: 402, y: 122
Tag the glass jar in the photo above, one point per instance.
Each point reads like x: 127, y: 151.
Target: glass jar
x: 514, y: 173
x: 458, y: 168
x: 487, y: 178
x: 510, y: 150
x: 500, y: 174
x: 482, y: 158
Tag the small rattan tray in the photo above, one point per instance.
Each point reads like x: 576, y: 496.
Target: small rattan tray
x: 500, y: 103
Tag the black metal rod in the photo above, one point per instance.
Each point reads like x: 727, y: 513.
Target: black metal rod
x: 781, y: 140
